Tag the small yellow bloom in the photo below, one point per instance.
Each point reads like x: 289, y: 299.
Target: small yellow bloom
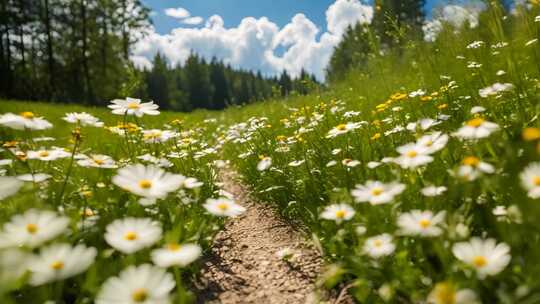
x: 376, y: 136
x: 442, y: 106
x: 530, y: 134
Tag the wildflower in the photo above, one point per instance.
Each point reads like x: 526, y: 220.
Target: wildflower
x: 424, y: 124
x: 223, y: 207
x: 531, y: 134
x: 476, y: 128
x: 48, y: 155
x: 433, y: 142
x: 286, y: 254
x: 343, y: 129
x: 495, y: 89
x: 133, y: 106
x: 433, y: 191
x: 412, y: 156
x: 331, y: 163
x: 264, y: 163
x: 83, y: 119
x: 477, y: 109
x: 530, y: 180
x: 485, y: 256
x: 35, y: 178
x: 446, y: 293
x: 60, y: 261
x: 421, y: 223
x: 137, y: 284
x: 351, y: 163
x: 176, y: 255
x: 472, y: 167
x: 26, y: 120
x: 377, y: 193
x: 147, y: 181
x: 9, y: 186
x: 191, y: 183
x: 155, y: 136
x: 32, y: 228
x: 338, y: 213
x: 296, y: 163
x: 379, y: 245
x: 130, y: 234
x: 97, y: 161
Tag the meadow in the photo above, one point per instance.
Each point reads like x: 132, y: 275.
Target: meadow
x: 416, y: 176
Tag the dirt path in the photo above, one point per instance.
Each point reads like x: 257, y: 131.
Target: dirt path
x: 244, y: 267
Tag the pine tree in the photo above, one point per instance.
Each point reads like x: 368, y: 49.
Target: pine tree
x: 221, y: 97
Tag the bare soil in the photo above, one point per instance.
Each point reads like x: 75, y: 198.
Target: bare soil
x: 243, y: 266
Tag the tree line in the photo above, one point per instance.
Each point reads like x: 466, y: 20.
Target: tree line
x: 77, y: 51
x: 214, y: 85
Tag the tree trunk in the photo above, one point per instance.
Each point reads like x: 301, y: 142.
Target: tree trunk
x: 86, y: 71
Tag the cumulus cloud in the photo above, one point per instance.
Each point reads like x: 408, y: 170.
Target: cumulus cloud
x: 454, y: 15
x: 178, y: 13
x: 193, y: 20
x: 254, y: 43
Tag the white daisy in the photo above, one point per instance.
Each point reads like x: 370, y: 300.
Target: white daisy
x: 48, y: 155
x: 495, y: 89
x: 133, y: 106
x: 32, y: 228
x: 379, y: 245
x: 343, y: 129
x: 476, y: 128
x: 472, y: 167
x: 376, y: 192
x: 148, y: 181
x: 9, y: 186
x: 155, y: 136
x: 530, y: 179
x: 223, y: 207
x: 60, y: 261
x: 26, y: 120
x: 83, y: 119
x: 412, y: 156
x: 130, y: 234
x: 338, y: 213
x: 446, y: 293
x: 97, y: 161
x: 176, y: 255
x: 35, y: 178
x: 137, y: 284
x: 484, y: 255
x: 421, y: 223
x: 433, y: 142
x: 264, y: 163
x: 431, y: 191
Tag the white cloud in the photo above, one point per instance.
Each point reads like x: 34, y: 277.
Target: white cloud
x: 178, y: 13
x: 454, y: 15
x: 253, y: 44
x: 193, y: 20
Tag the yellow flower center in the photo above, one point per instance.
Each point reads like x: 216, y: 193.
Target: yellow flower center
x: 530, y: 134
x: 133, y: 106
x: 412, y: 154
x: 445, y: 294
x: 479, y: 261
x: 475, y: 122
x: 429, y: 143
x: 130, y: 236
x: 341, y: 127
x: 32, y: 228
x: 98, y: 161
x: 424, y: 223
x: 145, y: 184
x: 139, y: 295
x: 377, y: 191
x: 43, y: 153
x: 536, y: 180
x: 223, y: 206
x: 173, y: 246
x: 340, y: 214
x: 377, y: 243
x: 471, y: 161
x: 57, y: 265
x: 28, y: 115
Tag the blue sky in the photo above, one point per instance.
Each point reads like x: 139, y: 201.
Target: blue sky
x: 260, y: 35
x: 233, y: 11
